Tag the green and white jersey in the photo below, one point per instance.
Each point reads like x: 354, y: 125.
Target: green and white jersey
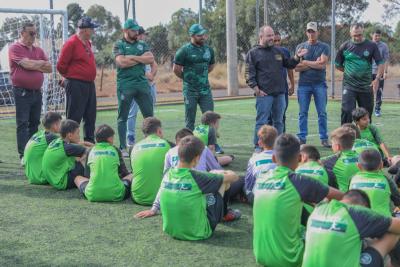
x: 183, y: 202
x: 342, y: 167
x: 372, y: 134
x: 361, y: 145
x: 279, y: 196
x: 338, y: 228
x: 147, y: 161
x: 206, y: 134
x: 58, y: 160
x: 378, y: 189
x: 106, y: 167
x: 33, y: 156
x: 195, y: 61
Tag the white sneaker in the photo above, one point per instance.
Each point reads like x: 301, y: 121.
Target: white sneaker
x: 125, y: 153
x: 22, y: 162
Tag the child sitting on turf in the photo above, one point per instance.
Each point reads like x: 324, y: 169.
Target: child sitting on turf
x: 147, y: 161
x: 36, y: 146
x: 360, y: 144
x: 371, y: 179
x: 191, y: 201
x: 260, y: 162
x: 342, y: 165
x: 279, y: 196
x: 371, y: 133
x: 109, y: 178
x: 207, y: 132
x: 310, y: 165
x: 62, y: 160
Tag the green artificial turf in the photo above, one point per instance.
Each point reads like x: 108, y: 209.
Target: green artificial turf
x: 40, y: 226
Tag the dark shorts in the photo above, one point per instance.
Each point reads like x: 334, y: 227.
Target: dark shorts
x: 78, y: 170
x: 215, y: 209
x: 370, y: 257
x: 126, y: 183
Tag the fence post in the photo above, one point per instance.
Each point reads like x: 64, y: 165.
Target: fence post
x: 200, y: 11
x: 43, y: 45
x: 266, y: 12
x: 231, y: 48
x: 333, y: 48
x: 257, y: 16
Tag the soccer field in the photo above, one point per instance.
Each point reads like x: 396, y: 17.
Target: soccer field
x: 40, y: 226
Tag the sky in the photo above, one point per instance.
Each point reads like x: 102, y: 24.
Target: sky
x: 153, y: 12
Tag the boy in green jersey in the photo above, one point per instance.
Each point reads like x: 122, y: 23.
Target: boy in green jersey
x: 147, y: 161
x: 338, y: 228
x: 207, y: 131
x: 371, y: 179
x: 192, y: 202
x: 62, y: 160
x: 109, y: 178
x: 343, y: 164
x: 279, y: 196
x: 36, y: 146
x: 360, y: 144
x: 371, y: 133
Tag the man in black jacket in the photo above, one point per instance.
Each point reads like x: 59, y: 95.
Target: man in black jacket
x: 264, y: 64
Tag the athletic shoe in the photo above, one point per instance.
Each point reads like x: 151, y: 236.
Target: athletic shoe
x: 125, y: 153
x: 130, y: 139
x: 377, y: 113
x: 325, y: 143
x: 22, y: 162
x: 218, y: 149
x: 232, y: 215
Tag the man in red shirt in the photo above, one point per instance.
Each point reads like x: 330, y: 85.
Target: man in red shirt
x: 27, y: 64
x: 77, y: 65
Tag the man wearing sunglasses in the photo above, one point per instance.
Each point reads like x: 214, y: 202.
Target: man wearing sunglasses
x: 312, y: 82
x: 27, y: 65
x: 77, y: 65
x: 354, y: 59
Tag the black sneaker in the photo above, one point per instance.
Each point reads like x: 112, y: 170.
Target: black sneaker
x: 218, y: 149
x: 325, y: 143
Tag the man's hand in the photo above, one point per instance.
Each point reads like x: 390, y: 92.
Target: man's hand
x: 291, y: 89
x: 145, y: 214
x: 301, y: 52
x: 384, y: 75
x: 259, y: 92
x: 87, y: 144
x: 375, y: 85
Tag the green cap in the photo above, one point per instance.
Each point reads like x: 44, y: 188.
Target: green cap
x: 197, y: 29
x: 131, y: 24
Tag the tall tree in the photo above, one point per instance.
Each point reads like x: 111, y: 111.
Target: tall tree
x: 75, y: 13
x: 158, y: 41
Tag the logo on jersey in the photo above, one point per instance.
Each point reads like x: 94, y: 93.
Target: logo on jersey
x: 365, y: 259
x: 329, y: 225
x: 278, y: 57
x: 207, y: 55
x: 140, y: 47
x: 366, y: 53
x: 276, y: 185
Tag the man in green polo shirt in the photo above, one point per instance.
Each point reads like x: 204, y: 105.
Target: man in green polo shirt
x: 147, y: 161
x: 131, y: 56
x: 192, y: 63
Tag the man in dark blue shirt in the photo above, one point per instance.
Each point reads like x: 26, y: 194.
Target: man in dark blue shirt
x: 312, y: 82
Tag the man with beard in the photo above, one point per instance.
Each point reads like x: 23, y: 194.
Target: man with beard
x: 131, y: 56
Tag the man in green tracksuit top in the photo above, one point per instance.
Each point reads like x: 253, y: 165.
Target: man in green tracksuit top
x: 192, y: 63
x: 335, y: 232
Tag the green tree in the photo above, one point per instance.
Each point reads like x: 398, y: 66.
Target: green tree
x: 158, y: 41
x: 178, y: 28
x: 75, y: 13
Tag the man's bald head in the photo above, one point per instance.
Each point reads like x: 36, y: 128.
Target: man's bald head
x: 266, y: 35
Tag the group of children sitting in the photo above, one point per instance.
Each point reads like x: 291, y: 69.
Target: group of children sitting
x: 288, y: 185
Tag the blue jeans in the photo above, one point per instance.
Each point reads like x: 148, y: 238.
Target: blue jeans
x: 266, y: 106
x: 131, y: 122
x: 304, y: 93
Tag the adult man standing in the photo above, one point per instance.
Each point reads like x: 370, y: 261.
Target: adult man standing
x: 264, y: 64
x: 384, y: 49
x: 312, y: 82
x: 192, y: 63
x: 354, y: 58
x: 77, y: 65
x: 150, y: 72
x: 27, y: 64
x: 131, y: 56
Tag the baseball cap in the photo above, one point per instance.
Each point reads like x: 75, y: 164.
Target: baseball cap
x: 197, y: 29
x: 312, y: 26
x: 131, y: 24
x: 86, y: 22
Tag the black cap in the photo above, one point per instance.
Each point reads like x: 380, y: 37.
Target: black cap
x: 86, y: 22
x: 142, y: 30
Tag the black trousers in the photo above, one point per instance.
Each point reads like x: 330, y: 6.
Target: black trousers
x: 379, y: 93
x: 349, y: 100
x: 28, y: 106
x: 81, y: 104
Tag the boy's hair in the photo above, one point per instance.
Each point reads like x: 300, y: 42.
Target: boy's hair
x: 267, y: 134
x: 378, y: 31
x: 311, y: 151
x: 370, y: 159
x: 357, y: 197
x: 359, y: 113
x: 210, y: 117
x: 286, y: 148
x: 50, y: 118
x: 344, y: 137
x: 353, y: 127
x: 150, y: 125
x: 68, y: 126
x: 182, y: 133
x: 189, y: 148
x: 104, y: 132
